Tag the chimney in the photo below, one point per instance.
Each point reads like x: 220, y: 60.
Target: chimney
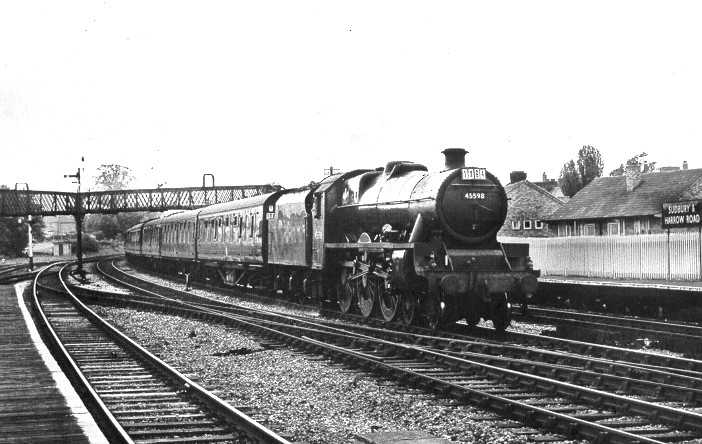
x: 632, y: 174
x: 516, y: 176
x: 684, y: 164
x: 454, y: 158
x: 544, y: 178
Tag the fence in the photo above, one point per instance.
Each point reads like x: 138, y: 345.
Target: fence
x: 674, y: 256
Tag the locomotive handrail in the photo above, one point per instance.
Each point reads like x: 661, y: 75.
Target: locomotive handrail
x: 391, y: 202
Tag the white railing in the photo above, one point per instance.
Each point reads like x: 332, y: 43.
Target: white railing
x: 650, y: 256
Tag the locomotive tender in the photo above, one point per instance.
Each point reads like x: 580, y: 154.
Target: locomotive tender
x: 397, y: 241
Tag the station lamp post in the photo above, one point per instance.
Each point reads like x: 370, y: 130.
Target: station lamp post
x: 30, y: 253
x: 20, y: 220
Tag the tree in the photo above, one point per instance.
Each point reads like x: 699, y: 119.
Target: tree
x: 590, y: 164
x: 112, y: 177
x: 570, y: 181
x: 13, y: 234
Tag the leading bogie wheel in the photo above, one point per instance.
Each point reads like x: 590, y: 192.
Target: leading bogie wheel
x: 408, y: 307
x: 502, y: 317
x: 390, y: 304
x: 369, y: 295
x: 434, y: 312
x: 347, y: 292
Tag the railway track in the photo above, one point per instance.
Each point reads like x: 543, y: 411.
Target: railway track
x: 559, y: 396
x: 681, y: 336
x: 461, y: 339
x: 10, y: 274
x: 135, y: 396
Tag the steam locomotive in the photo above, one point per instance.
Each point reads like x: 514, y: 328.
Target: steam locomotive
x: 396, y: 242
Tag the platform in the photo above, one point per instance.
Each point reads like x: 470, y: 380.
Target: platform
x: 679, y: 300
x: 37, y: 402
x: 694, y: 286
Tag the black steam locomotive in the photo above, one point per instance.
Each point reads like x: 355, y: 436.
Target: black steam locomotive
x: 397, y: 242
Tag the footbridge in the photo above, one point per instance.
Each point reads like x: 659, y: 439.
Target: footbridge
x: 25, y: 202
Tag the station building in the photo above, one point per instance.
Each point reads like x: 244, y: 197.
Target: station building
x: 625, y: 205
x: 61, y: 230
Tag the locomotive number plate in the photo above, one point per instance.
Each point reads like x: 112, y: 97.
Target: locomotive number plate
x: 475, y: 196
x: 473, y: 173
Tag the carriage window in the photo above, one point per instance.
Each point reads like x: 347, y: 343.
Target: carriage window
x: 253, y: 224
x: 259, y: 227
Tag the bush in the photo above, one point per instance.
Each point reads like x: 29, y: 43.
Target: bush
x: 90, y: 244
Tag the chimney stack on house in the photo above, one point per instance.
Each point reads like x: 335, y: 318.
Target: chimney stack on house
x: 684, y: 164
x: 516, y: 176
x: 632, y: 174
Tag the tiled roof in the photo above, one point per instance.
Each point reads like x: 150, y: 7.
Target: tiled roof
x: 606, y: 197
x: 512, y: 186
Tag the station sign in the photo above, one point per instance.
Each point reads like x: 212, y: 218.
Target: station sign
x: 682, y: 214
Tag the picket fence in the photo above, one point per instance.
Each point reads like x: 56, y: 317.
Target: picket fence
x: 674, y: 256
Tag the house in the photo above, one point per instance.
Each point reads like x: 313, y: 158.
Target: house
x: 627, y: 204
x: 551, y: 185
x: 529, y: 204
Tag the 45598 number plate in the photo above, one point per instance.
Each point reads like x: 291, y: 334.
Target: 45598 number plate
x: 473, y: 173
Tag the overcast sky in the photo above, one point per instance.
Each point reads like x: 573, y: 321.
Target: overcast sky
x: 263, y: 91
